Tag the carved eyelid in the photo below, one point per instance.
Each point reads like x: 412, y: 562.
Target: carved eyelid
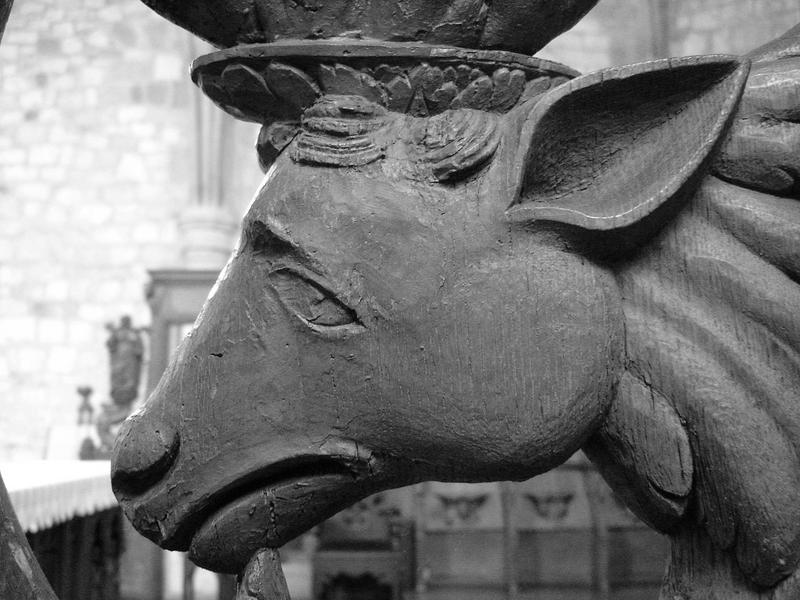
x: 319, y: 308
x: 259, y: 238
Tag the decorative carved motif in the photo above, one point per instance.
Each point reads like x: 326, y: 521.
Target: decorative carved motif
x: 282, y: 92
x: 461, y: 510
x: 553, y: 507
x: 276, y: 84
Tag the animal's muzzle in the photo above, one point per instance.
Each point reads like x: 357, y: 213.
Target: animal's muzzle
x: 144, y: 452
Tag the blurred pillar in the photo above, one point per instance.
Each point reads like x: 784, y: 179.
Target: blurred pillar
x: 207, y: 223
x: 661, y: 25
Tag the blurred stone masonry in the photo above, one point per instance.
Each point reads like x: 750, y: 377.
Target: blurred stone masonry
x: 621, y: 31
x: 96, y: 164
x: 99, y: 170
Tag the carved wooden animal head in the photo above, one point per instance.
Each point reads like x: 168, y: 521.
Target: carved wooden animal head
x: 418, y: 297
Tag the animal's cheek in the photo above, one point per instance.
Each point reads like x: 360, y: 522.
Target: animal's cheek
x: 512, y: 356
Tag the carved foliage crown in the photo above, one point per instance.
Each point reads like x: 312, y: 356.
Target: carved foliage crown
x: 276, y: 84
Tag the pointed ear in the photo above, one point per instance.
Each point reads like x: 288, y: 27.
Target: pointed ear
x: 605, y: 150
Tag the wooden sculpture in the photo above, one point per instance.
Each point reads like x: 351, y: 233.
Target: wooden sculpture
x: 464, y: 264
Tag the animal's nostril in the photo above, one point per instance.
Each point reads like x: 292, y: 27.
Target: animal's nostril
x: 144, y: 452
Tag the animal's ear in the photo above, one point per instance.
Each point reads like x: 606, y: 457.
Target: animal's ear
x: 605, y: 150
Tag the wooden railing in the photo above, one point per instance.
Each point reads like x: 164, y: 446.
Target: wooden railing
x: 68, y: 521
x: 80, y: 557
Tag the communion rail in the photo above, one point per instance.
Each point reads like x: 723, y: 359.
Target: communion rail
x: 72, y: 523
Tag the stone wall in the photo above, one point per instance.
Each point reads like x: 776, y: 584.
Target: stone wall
x: 98, y: 160
x: 736, y: 27
x: 625, y: 31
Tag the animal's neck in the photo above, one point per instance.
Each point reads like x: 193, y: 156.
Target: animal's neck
x: 699, y: 570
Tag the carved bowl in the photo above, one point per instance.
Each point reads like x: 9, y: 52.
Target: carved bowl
x: 523, y: 26
x: 517, y: 25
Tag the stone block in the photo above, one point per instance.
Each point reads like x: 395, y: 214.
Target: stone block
x: 57, y: 291
x: 64, y: 29
x: 18, y: 328
x: 99, y: 39
x: 47, y: 45
x: 81, y: 332
x: 44, y: 155
x: 27, y: 359
x: 51, y: 331
x: 93, y: 312
x: 62, y: 360
x: 169, y: 67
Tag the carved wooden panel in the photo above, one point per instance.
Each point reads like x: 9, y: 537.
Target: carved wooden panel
x: 453, y: 507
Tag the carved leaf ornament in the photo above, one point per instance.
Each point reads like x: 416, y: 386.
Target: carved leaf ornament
x: 278, y: 93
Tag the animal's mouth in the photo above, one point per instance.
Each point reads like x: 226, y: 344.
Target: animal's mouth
x: 267, y: 510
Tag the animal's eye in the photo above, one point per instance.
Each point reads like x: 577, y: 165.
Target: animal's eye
x: 314, y: 305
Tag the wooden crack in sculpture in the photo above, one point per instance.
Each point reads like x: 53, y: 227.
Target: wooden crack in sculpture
x: 465, y: 264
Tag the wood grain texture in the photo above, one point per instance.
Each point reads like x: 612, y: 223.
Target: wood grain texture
x: 643, y: 447
x: 761, y: 149
x: 786, y: 46
x: 263, y: 578
x: 713, y: 325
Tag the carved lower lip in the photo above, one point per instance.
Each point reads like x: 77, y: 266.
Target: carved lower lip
x: 269, y: 513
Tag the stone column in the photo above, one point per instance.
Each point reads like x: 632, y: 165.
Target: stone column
x: 207, y: 224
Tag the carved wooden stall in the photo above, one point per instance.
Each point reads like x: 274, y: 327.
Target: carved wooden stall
x: 464, y: 264
x: 360, y: 553
x: 564, y: 530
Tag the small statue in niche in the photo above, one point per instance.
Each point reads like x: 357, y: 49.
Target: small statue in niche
x: 126, y: 353
x: 125, y: 349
